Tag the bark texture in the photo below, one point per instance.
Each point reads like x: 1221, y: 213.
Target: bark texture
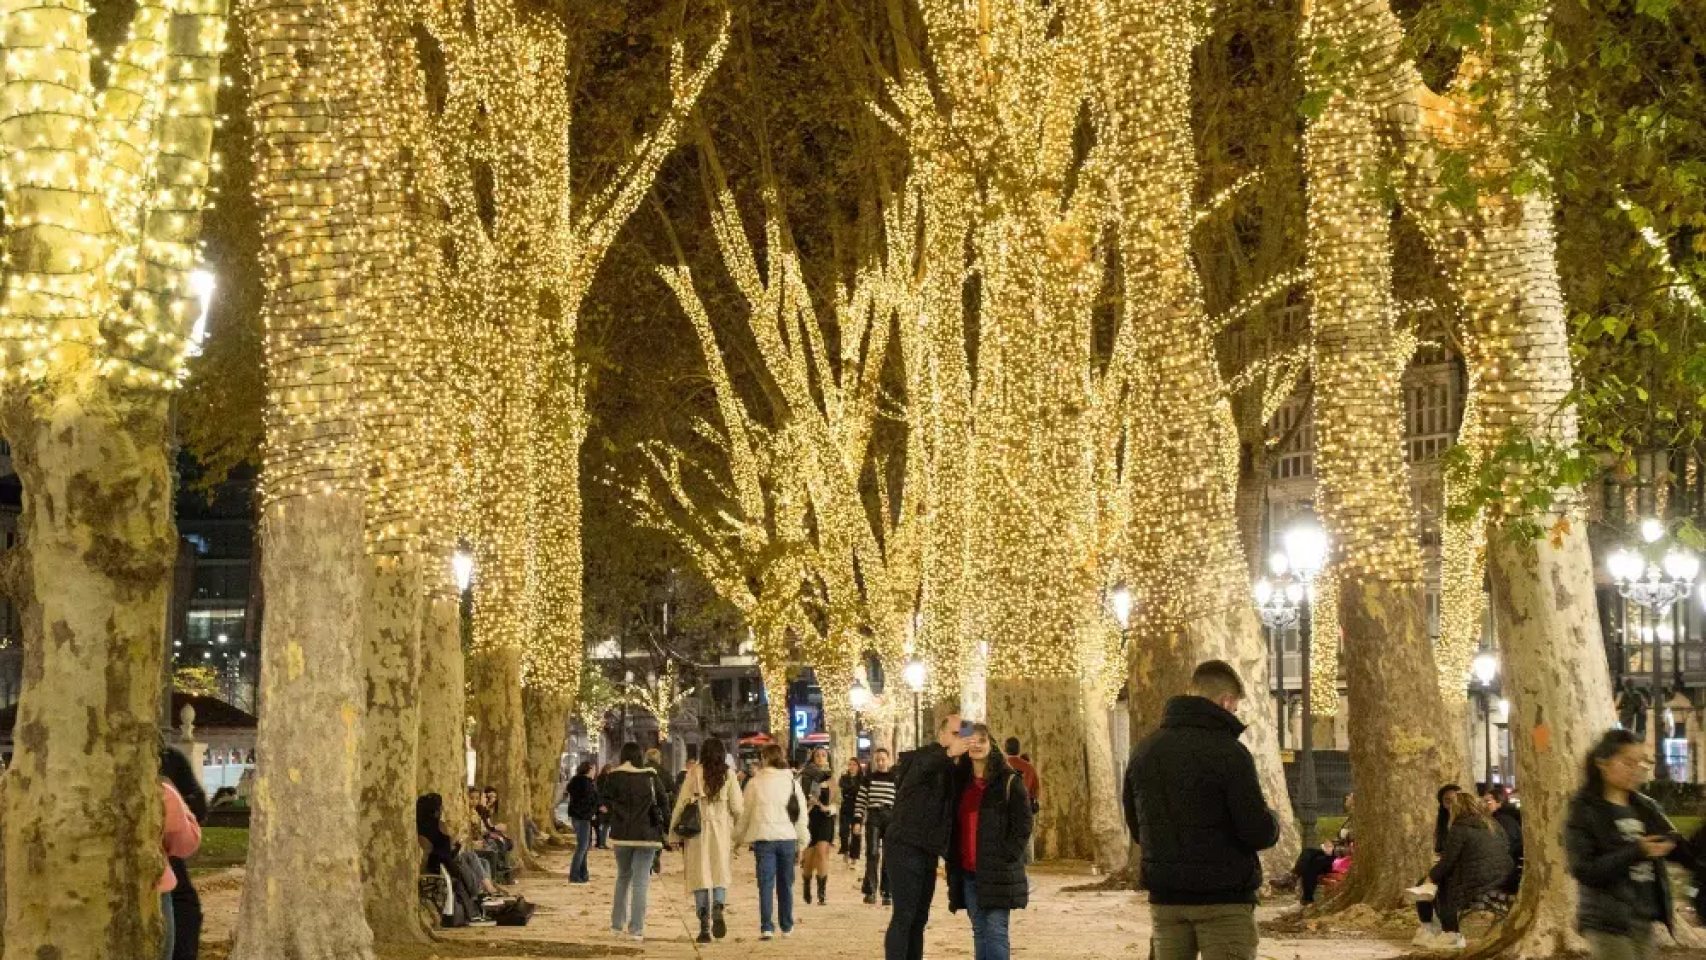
x: 1399, y: 745
x: 500, y: 739
x: 1046, y: 714
x: 390, y: 747
x: 304, y: 899
x: 82, y: 802
x: 443, y: 715
x: 547, y: 733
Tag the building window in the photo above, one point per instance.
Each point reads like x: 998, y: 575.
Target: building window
x: 1429, y: 426
x: 1296, y: 457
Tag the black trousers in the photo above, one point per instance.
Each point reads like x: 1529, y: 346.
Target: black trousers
x: 876, y: 868
x: 844, y: 824
x: 912, y: 880
x: 186, y: 909
x: 1312, y: 865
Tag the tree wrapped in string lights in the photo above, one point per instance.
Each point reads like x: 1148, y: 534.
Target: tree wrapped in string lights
x: 525, y: 251
x: 103, y: 190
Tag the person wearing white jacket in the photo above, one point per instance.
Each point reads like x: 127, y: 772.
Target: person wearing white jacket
x: 773, y: 824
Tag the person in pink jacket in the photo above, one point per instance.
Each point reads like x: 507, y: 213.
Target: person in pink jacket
x: 182, y: 838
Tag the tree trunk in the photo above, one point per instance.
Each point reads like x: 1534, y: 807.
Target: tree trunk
x: 500, y: 734
x: 1399, y: 747
x: 547, y: 735
x: 304, y: 899
x: 82, y: 794
x: 1046, y: 714
x: 443, y: 767
x: 390, y: 747
x: 1107, y: 820
x: 1561, y: 701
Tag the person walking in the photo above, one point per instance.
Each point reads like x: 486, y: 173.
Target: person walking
x: 1618, y: 840
x: 986, y: 857
x: 1475, y: 861
x: 1193, y: 801
x: 876, y: 803
x: 637, y: 824
x: 1033, y: 788
x: 601, y: 831
x: 920, y: 828
x: 773, y: 824
x: 851, y: 778
x: 583, y: 810
x: 654, y: 763
x: 705, y: 855
x: 820, y: 827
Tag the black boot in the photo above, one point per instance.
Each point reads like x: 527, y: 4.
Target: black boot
x: 704, y: 927
x: 822, y: 890
x: 808, y: 889
x: 719, y: 929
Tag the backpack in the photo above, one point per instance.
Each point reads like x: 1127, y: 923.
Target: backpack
x: 513, y: 914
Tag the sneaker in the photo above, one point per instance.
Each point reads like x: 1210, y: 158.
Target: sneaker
x: 1424, y: 936
x: 887, y: 902
x: 482, y: 922
x: 870, y: 898
x: 765, y: 934
x: 1422, y: 893
x: 787, y: 933
x: 637, y: 937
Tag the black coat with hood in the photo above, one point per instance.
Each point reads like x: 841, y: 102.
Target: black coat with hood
x: 1003, y: 826
x: 1194, y: 803
x: 632, y: 793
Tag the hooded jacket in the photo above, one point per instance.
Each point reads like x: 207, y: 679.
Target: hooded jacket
x: 1194, y: 803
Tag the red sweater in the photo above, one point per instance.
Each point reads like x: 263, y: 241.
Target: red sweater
x: 966, y: 823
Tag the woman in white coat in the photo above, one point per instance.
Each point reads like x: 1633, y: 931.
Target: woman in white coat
x: 774, y: 825
x: 705, y: 858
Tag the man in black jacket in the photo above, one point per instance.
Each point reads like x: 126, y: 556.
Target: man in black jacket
x: 1195, y: 805
x: 920, y: 827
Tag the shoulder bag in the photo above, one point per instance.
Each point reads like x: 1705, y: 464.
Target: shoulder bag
x: 691, y: 823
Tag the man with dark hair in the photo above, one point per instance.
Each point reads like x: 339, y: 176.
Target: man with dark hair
x: 1195, y: 805
x: 920, y: 827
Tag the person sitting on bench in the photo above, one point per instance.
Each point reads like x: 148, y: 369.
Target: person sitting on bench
x: 470, y: 887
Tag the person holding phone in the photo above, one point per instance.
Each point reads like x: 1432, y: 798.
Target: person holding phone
x: 1618, y: 841
x: 921, y: 824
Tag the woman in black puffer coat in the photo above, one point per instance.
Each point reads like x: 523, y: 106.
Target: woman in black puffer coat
x: 1475, y: 862
x: 986, y: 856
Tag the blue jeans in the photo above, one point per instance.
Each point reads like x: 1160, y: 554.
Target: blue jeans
x: 171, y: 917
x: 776, y: 872
x: 583, y: 845
x: 702, y: 899
x: 988, y: 928
x: 633, y: 884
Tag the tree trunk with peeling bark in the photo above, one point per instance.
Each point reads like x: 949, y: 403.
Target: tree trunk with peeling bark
x: 391, y: 747
x: 443, y: 767
x: 500, y: 734
x: 547, y: 734
x: 1399, y: 746
x: 1046, y: 714
x: 82, y: 795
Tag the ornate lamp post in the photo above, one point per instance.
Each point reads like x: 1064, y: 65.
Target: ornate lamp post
x: 1486, y: 670
x: 1655, y: 587
x: 1281, y: 603
x: 914, y: 674
x: 1120, y: 604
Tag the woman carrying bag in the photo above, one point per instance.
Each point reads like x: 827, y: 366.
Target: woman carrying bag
x: 704, y: 820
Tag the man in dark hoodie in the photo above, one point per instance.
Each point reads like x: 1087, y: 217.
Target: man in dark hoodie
x: 921, y: 824
x: 1194, y: 803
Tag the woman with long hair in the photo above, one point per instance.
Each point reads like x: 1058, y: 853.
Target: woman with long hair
x: 583, y: 810
x: 1473, y: 863
x: 820, y: 827
x: 849, y: 786
x: 1618, y: 841
x: 705, y: 855
x: 986, y: 855
x: 773, y: 824
x: 638, y: 820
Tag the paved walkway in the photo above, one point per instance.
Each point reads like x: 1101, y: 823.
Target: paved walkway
x: 1082, y: 926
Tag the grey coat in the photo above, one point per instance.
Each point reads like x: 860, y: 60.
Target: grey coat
x: 1476, y: 860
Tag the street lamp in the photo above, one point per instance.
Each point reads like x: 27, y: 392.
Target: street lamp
x: 914, y: 675
x: 1486, y: 670
x: 202, y: 283
x: 1281, y: 603
x: 1120, y: 602
x: 1654, y: 588
x: 462, y: 568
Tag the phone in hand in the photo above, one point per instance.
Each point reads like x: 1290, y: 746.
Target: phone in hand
x: 966, y: 727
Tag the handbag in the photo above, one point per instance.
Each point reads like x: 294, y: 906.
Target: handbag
x: 691, y: 823
x: 794, y: 806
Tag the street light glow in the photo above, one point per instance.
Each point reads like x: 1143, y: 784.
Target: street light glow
x: 914, y: 674
x: 1681, y: 565
x: 1306, y: 549
x: 1486, y: 668
x: 860, y: 696
x: 1623, y: 565
x: 1652, y: 529
x: 1121, y: 601
x: 462, y: 568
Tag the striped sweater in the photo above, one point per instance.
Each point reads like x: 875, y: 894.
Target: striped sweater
x: 876, y: 791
